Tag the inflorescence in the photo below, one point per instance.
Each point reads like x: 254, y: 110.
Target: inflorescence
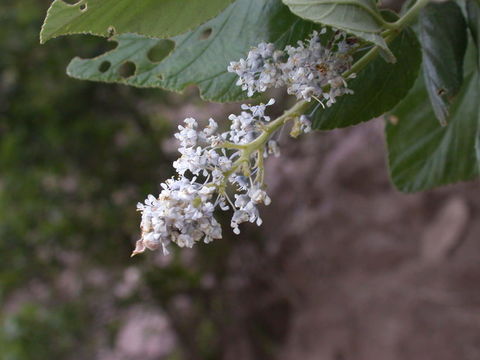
x: 214, y: 165
x: 310, y: 70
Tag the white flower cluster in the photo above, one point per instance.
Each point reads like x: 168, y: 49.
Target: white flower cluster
x: 213, y: 163
x: 310, y: 70
x: 183, y: 213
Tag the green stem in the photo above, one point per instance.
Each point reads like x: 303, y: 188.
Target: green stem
x: 362, y: 62
x: 230, y: 145
x: 369, y: 56
x: 260, y: 174
x: 298, y: 109
x: 410, y: 14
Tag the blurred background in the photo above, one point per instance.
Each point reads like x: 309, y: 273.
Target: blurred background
x: 344, y: 267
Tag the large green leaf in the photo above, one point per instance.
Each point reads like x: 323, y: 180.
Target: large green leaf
x: 423, y: 154
x: 155, y: 18
x: 473, y: 16
x: 201, y: 56
x: 358, y: 17
x: 377, y: 88
x: 443, y: 34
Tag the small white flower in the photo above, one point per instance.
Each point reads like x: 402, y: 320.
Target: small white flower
x: 306, y: 123
x: 273, y: 148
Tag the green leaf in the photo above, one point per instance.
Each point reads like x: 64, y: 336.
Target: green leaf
x: 358, y: 17
x: 377, y: 88
x: 473, y: 18
x: 201, y: 56
x: 423, y: 154
x: 443, y: 35
x: 154, y: 18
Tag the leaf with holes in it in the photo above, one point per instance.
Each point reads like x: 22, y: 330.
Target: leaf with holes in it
x: 154, y: 18
x: 358, y: 17
x: 377, y: 88
x: 423, y: 154
x: 443, y: 35
x: 201, y: 56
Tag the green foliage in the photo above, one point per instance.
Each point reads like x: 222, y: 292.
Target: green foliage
x: 155, y: 18
x: 201, y: 56
x: 36, y: 333
x: 358, y: 17
x: 443, y: 34
x: 473, y: 19
x: 377, y: 88
x: 422, y: 154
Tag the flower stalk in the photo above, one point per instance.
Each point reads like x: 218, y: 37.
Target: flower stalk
x: 212, y: 163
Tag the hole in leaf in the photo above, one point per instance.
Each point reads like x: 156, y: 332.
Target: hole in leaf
x: 102, y: 47
x: 83, y: 7
x: 109, y: 45
x: 206, y: 34
x: 127, y: 69
x: 104, y: 66
x: 160, y: 51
